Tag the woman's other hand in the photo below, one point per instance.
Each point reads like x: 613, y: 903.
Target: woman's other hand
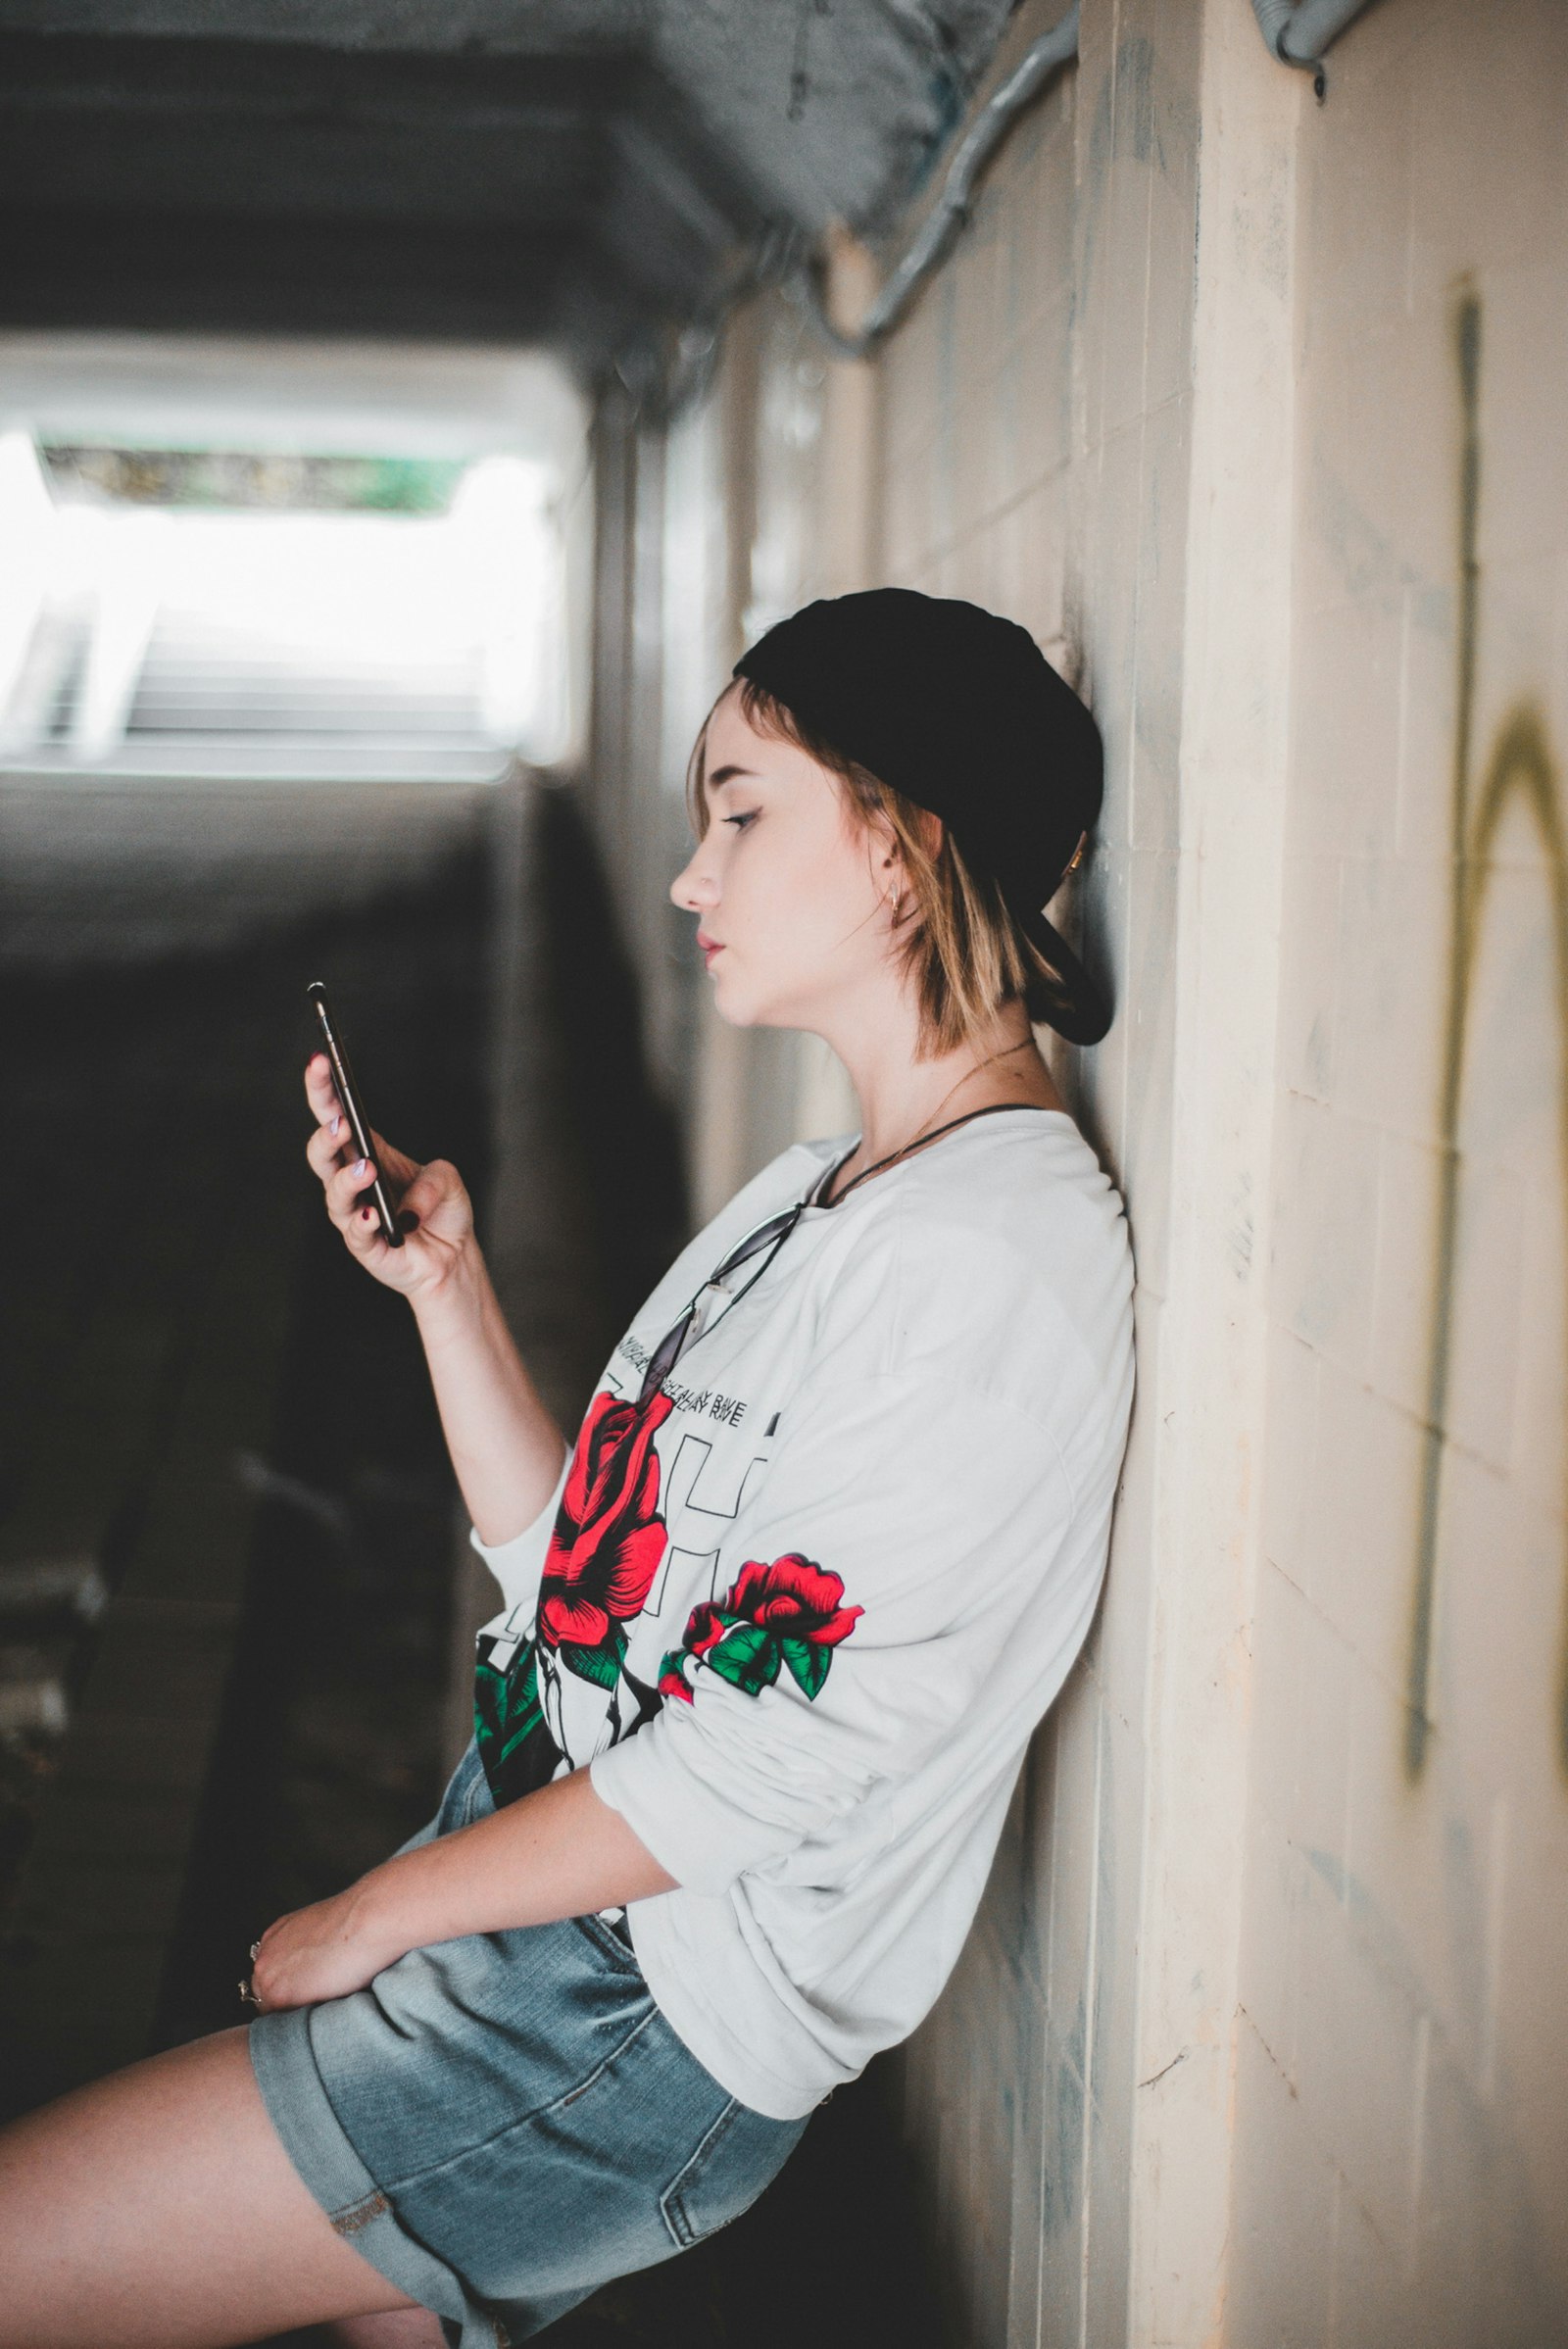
x: 324, y: 1951
x: 433, y: 1207
x: 558, y: 1852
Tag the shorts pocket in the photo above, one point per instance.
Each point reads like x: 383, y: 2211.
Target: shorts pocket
x: 608, y: 1943
x: 741, y: 2153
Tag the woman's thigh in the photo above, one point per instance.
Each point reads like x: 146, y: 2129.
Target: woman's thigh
x: 403, y: 2329
x: 158, y: 2210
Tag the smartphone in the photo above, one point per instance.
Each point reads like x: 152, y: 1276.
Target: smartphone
x: 348, y: 1094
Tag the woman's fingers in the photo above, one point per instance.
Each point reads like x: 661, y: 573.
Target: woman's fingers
x: 352, y: 1211
x: 333, y: 1133
x: 431, y: 1186
x: 361, y: 1235
x: 344, y: 1188
x: 420, y: 1193
x: 324, y: 1149
x: 319, y: 1090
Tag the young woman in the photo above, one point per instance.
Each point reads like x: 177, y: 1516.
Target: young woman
x: 775, y: 1633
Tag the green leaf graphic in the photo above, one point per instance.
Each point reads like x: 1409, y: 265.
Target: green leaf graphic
x: 487, y: 1699
x: 507, y: 1703
x: 601, y: 1665
x: 747, y: 1657
x: 808, y: 1662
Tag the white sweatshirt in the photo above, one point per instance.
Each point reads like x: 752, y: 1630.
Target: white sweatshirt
x: 801, y: 1614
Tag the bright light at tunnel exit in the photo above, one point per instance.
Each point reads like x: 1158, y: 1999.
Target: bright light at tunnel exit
x: 475, y: 593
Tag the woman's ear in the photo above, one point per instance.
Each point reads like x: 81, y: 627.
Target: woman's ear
x: 889, y: 854
x: 890, y: 861
x: 932, y: 832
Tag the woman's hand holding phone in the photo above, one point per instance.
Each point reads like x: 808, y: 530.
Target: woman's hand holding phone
x: 506, y: 1449
x: 435, y: 1214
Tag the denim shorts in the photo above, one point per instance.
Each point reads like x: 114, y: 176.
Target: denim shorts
x: 503, y: 2123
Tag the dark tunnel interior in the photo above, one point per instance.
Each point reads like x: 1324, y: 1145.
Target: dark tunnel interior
x: 233, y: 1647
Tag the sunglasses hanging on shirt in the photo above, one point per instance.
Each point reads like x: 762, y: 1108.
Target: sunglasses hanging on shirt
x: 715, y: 1297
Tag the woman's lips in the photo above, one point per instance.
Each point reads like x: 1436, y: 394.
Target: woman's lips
x: 708, y: 948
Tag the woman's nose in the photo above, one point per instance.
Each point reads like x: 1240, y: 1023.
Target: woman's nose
x: 694, y: 887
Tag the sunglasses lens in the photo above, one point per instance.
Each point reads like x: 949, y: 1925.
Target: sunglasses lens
x: 768, y: 1237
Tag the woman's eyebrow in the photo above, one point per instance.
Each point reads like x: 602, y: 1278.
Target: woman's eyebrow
x: 727, y: 774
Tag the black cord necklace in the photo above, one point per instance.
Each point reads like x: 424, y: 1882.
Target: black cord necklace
x: 919, y: 1140
x: 760, y: 1246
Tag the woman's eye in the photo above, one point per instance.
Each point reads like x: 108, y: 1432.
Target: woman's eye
x: 748, y: 816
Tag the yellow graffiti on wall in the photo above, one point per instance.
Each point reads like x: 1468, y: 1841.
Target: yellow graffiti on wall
x: 1519, y: 766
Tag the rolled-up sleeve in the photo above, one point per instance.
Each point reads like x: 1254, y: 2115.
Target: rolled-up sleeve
x: 518, y: 1563
x: 861, y: 1602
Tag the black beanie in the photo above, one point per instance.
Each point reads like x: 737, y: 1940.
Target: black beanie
x: 961, y: 711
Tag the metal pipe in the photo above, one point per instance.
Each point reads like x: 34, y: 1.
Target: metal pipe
x: 1298, y: 34
x: 995, y: 119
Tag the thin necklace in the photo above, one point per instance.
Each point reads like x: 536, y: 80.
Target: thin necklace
x: 920, y: 1134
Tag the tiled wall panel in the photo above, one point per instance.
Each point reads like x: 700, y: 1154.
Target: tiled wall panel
x: 1035, y: 460
x: 1405, y: 1912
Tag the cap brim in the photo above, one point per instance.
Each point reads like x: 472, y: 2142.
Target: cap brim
x: 1076, y: 1008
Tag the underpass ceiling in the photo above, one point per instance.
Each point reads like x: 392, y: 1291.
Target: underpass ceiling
x: 569, y: 171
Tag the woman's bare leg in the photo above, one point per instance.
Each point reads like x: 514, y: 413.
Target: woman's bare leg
x: 158, y: 2210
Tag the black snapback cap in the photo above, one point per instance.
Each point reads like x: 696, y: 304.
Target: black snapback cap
x: 959, y: 710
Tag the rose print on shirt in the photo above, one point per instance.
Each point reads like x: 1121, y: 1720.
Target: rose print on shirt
x: 790, y: 1613
x: 604, y: 1549
x: 607, y: 1541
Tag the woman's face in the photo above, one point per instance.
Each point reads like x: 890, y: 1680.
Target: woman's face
x: 791, y: 893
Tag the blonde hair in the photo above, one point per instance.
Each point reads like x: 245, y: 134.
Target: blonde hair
x: 962, y: 947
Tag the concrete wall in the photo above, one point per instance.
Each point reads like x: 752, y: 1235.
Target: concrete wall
x: 1402, y: 2141
x: 1250, y: 410
x: 1034, y: 456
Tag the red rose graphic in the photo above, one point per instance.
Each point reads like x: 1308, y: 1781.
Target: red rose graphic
x: 794, y: 1597
x: 609, y: 1535
x: 789, y: 1613
x: 706, y: 1626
